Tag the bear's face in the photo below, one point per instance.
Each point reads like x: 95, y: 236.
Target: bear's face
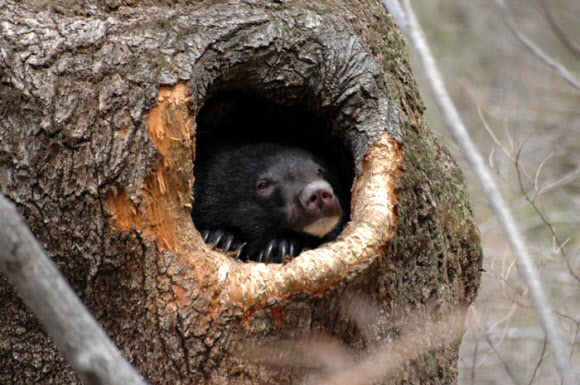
x: 293, y: 194
x: 262, y: 195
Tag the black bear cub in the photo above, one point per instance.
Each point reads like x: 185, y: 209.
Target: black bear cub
x: 264, y: 201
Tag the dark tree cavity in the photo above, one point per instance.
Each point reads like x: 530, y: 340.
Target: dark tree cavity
x: 306, y: 172
x: 102, y: 115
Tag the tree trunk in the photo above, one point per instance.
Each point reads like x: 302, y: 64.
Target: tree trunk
x: 97, y: 145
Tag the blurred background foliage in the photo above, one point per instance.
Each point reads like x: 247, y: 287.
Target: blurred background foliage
x: 526, y: 119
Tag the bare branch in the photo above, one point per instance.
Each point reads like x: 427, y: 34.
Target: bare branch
x: 535, y: 49
x: 47, y: 294
x: 538, y: 172
x: 398, y: 14
x: 459, y: 132
x: 573, y: 47
x: 544, y: 218
x: 560, y: 181
x: 535, y: 372
x: 493, y: 136
x: 575, y: 336
x: 477, y: 320
x: 474, y: 361
x: 537, y: 190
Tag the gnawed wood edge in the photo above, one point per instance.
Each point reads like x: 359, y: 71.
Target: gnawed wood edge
x: 166, y: 218
x: 373, y: 220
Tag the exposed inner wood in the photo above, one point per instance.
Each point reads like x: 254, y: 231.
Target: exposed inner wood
x: 167, y: 192
x: 166, y: 215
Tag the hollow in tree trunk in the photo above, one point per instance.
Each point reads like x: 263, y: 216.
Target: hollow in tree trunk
x: 102, y: 113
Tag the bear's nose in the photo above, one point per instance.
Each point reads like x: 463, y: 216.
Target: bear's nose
x: 316, y: 196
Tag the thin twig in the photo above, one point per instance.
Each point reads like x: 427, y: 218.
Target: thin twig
x: 573, y: 47
x: 537, y: 191
x: 544, y: 218
x: 535, y: 49
x: 575, y: 336
x: 561, y: 181
x: 486, y: 337
x: 493, y: 136
x: 45, y: 291
x: 535, y: 372
x: 538, y: 172
x: 474, y: 361
x: 459, y: 132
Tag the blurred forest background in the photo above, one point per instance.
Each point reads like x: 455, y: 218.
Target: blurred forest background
x: 526, y: 119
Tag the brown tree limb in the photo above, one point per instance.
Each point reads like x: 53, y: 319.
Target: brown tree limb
x: 46, y: 292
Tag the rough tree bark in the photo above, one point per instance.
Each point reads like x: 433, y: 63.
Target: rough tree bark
x: 97, y: 148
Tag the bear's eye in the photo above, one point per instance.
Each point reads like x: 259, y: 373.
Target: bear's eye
x: 319, y: 172
x: 263, y: 185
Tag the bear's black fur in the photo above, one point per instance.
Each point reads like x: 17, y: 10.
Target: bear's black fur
x: 265, y: 201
